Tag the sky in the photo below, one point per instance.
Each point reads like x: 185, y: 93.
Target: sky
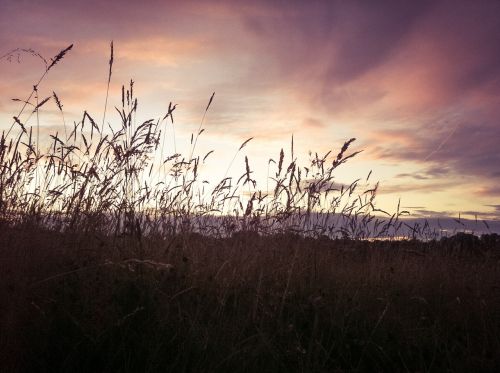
x: 417, y: 83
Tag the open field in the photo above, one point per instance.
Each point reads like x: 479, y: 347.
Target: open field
x: 82, y: 302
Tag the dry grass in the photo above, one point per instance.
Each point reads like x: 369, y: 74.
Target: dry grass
x: 118, y: 180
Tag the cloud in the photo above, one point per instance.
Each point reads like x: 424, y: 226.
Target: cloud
x: 427, y: 80
x: 344, y: 39
x: 432, y: 172
x: 436, y: 186
x: 470, y: 151
x: 496, y: 207
x: 490, y: 190
x: 466, y: 217
x: 417, y: 82
x: 430, y: 213
x: 313, y: 123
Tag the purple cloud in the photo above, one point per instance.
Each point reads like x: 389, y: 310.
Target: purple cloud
x: 417, y: 82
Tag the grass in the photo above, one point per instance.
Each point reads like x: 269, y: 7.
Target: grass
x: 118, y: 257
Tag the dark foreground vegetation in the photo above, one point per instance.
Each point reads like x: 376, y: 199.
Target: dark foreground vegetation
x: 116, y: 255
x: 85, y: 303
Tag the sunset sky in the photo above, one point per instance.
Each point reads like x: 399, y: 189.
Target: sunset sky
x: 416, y: 82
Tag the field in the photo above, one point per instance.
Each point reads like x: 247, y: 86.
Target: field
x: 116, y: 256
x: 82, y: 302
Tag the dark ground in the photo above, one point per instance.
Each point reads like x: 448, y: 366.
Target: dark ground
x: 83, y: 303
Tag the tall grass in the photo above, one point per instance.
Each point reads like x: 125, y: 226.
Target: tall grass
x: 104, y: 178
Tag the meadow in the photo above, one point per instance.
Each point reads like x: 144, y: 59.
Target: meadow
x: 117, y: 255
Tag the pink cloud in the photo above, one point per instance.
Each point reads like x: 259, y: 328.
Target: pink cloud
x: 417, y: 82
